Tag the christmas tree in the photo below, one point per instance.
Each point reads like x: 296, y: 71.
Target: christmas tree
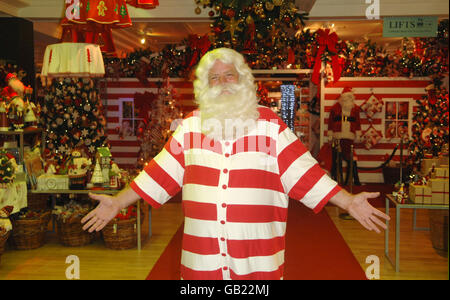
x: 74, y: 118
x: 162, y: 120
x: 430, y: 131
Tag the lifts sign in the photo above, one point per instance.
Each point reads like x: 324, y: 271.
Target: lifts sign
x: 426, y: 26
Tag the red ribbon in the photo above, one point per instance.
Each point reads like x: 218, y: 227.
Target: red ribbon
x: 328, y: 41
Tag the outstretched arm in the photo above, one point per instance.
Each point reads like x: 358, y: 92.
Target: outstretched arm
x: 360, y: 209
x: 108, y: 208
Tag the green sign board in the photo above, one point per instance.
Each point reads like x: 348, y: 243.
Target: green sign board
x: 410, y: 26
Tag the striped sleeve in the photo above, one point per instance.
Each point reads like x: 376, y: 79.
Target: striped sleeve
x: 301, y: 175
x: 162, y: 178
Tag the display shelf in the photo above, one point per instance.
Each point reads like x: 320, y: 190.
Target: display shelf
x: 21, y: 134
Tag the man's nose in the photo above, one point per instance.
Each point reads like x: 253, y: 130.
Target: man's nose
x: 223, y: 79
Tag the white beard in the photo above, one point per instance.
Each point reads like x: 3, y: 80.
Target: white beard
x: 228, y: 111
x: 347, y: 106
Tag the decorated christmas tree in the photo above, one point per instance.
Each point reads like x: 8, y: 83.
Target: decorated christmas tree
x: 430, y: 131
x: 74, y: 118
x: 162, y: 120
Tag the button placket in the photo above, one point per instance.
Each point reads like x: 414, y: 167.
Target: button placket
x: 222, y: 208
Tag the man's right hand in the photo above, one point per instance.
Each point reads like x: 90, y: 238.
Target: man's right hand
x: 105, y: 211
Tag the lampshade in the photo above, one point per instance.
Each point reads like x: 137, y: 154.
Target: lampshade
x: 73, y: 60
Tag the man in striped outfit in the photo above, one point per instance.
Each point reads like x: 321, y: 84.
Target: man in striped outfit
x: 237, y: 164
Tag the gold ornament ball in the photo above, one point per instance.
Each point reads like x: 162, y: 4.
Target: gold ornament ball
x: 198, y: 10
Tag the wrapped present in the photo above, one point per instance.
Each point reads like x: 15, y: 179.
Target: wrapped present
x: 427, y: 164
x: 443, y: 160
x: 52, y: 182
x: 439, y: 191
x: 420, y: 194
x: 440, y: 173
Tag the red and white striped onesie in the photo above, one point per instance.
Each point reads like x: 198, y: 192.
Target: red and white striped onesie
x: 235, y: 195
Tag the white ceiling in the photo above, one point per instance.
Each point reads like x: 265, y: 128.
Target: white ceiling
x: 174, y: 20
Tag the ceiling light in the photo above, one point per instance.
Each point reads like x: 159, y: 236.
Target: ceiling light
x: 143, y: 41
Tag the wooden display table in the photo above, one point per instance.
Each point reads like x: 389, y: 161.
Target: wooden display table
x: 109, y: 192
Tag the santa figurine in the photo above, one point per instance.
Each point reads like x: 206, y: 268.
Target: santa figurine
x: 14, y: 93
x: 344, y: 129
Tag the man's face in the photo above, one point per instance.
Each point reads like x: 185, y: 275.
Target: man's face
x: 222, y: 73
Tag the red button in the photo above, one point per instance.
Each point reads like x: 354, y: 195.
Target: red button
x: 223, y: 254
x: 224, y: 205
x: 222, y: 222
x: 224, y: 186
x: 225, y: 171
x: 227, y: 143
x: 227, y: 154
x: 225, y: 268
x: 222, y: 239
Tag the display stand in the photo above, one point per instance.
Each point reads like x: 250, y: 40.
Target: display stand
x: 399, y: 206
x: 109, y: 192
x: 21, y: 134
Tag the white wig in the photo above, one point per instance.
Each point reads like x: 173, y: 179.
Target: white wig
x: 227, y: 56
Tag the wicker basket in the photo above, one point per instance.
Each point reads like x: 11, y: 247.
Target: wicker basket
x: 120, y: 234
x: 30, y: 233
x: 38, y: 201
x: 71, y: 233
x: 3, y: 240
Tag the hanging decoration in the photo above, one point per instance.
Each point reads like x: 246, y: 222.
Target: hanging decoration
x: 327, y: 42
x: 371, y: 137
x: 72, y: 60
x: 92, y: 21
x: 372, y: 106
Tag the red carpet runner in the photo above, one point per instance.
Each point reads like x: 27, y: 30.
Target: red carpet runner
x: 314, y: 250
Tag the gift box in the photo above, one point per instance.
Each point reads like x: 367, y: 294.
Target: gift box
x: 439, y: 191
x: 52, y: 182
x: 420, y: 194
x: 441, y: 173
x: 427, y: 164
x: 443, y: 160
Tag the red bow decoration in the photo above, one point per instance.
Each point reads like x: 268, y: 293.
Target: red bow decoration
x: 200, y: 45
x: 143, y: 103
x: 328, y: 41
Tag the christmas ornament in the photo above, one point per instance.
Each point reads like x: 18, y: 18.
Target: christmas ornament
x: 371, y: 137
x: 372, y: 106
